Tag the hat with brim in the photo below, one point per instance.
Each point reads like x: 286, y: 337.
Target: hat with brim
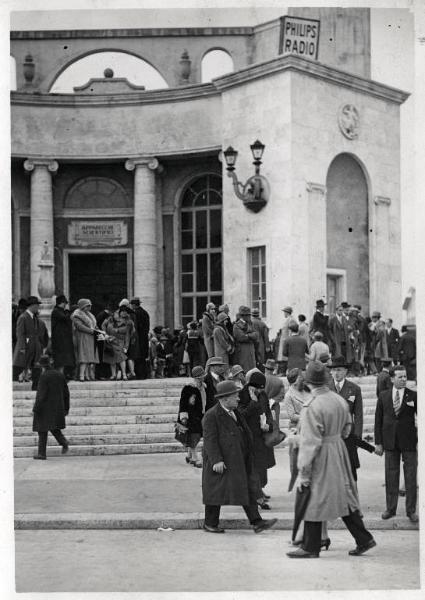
x: 135, y: 300
x: 198, y: 371
x: 214, y: 361
x: 44, y: 361
x: 320, y: 303
x: 324, y: 357
x: 287, y: 309
x: 83, y: 302
x: 222, y: 317
x: 338, y: 361
x: 244, y: 311
x: 226, y: 388
x: 236, y: 370
x: 270, y: 364
x: 31, y: 300
x: 316, y: 373
x: 255, y: 312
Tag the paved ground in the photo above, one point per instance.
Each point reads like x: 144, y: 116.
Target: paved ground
x: 179, y: 561
x: 158, y: 485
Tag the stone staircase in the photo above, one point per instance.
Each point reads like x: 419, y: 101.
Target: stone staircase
x: 127, y: 417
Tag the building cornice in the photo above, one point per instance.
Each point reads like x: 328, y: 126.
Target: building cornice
x: 66, y: 34
x: 189, y: 92
x: 312, y: 69
x: 197, y: 91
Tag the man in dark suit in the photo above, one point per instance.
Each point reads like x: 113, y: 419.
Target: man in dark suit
x: 142, y: 324
x: 320, y: 321
x: 396, y: 435
x: 50, y: 407
x: 228, y: 476
x: 352, y: 393
x: 383, y: 380
x: 393, y: 337
x: 31, y: 338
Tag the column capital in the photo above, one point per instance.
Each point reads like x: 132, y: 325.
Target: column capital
x: 31, y: 163
x: 142, y: 161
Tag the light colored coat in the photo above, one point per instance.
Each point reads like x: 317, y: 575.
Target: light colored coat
x: 245, y: 339
x: 223, y: 343
x: 83, y: 327
x: 323, y: 456
x: 284, y: 335
x: 208, y: 333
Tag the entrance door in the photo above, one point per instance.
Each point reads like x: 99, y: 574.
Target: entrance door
x: 100, y: 277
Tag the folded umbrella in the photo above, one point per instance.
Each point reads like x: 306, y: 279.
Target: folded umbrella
x: 302, y: 499
x: 293, y: 457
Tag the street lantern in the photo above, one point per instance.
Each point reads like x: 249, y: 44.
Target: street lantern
x: 256, y: 191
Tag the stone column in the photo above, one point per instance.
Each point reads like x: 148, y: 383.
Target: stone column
x: 145, y: 233
x: 41, y: 214
x: 317, y: 241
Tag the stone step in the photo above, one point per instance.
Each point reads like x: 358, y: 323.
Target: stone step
x: 103, y: 420
x: 173, y: 383
x: 108, y: 439
x: 102, y: 449
x: 109, y: 410
x: 109, y: 401
x: 88, y: 394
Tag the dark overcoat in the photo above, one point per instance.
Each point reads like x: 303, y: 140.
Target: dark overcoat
x: 352, y: 393
x: 251, y: 410
x: 142, y: 324
x: 51, y: 402
x: 231, y: 442
x: 62, y: 339
x: 194, y: 411
x: 393, y: 338
x: 31, y: 338
x: 407, y: 353
x: 393, y: 430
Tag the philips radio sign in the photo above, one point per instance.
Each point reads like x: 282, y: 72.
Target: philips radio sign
x: 300, y: 37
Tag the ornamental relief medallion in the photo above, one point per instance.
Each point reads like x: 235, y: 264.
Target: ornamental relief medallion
x: 349, y: 121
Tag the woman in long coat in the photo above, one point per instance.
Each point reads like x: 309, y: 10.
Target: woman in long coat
x: 85, y: 330
x: 223, y: 342
x: 245, y: 340
x: 254, y: 406
x: 191, y: 411
x: 118, y: 335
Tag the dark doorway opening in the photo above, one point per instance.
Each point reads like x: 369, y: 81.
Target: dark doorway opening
x: 100, y: 277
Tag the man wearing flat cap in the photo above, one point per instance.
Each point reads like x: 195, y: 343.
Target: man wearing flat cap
x: 228, y: 476
x: 324, y: 466
x: 246, y: 340
x: 31, y: 338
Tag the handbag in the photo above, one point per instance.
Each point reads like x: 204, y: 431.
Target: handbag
x: 181, y: 433
x: 275, y: 436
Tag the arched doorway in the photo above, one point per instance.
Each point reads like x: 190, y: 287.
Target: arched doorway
x: 347, y: 233
x: 201, y: 246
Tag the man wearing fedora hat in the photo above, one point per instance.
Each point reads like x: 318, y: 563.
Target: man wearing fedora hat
x: 320, y: 321
x: 50, y: 408
x: 324, y: 467
x: 215, y: 369
x: 31, y: 338
x: 246, y: 340
x: 228, y: 476
x: 352, y: 394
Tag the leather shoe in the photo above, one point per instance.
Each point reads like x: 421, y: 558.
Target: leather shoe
x: 358, y: 550
x: 264, y: 524
x: 39, y: 457
x: 413, y: 517
x: 213, y: 529
x: 301, y: 553
x: 388, y: 514
x: 65, y: 448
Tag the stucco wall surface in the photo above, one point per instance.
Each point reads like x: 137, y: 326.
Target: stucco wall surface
x: 115, y: 129
x: 317, y: 139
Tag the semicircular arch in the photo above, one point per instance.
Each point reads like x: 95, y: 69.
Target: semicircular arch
x: 215, y: 62
x: 52, y: 79
x: 96, y: 193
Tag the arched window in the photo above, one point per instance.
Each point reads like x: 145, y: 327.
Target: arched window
x: 214, y: 64
x: 201, y: 246
x: 12, y: 73
x: 136, y: 70
x: 97, y: 193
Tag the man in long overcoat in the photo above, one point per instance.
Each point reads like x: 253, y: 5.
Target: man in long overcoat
x: 246, y: 339
x: 352, y: 394
x: 142, y: 325
x: 320, y: 321
x: 50, y: 408
x: 31, y: 338
x: 208, y: 320
x: 324, y: 466
x: 339, y: 335
x: 62, y: 340
x: 228, y: 476
x: 263, y: 345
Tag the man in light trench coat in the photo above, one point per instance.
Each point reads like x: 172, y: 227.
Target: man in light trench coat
x: 324, y: 465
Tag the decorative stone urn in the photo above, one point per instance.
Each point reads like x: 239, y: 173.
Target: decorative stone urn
x: 185, y: 64
x: 29, y: 69
x: 46, y: 284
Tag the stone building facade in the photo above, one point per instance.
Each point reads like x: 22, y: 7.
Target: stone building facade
x: 128, y: 188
